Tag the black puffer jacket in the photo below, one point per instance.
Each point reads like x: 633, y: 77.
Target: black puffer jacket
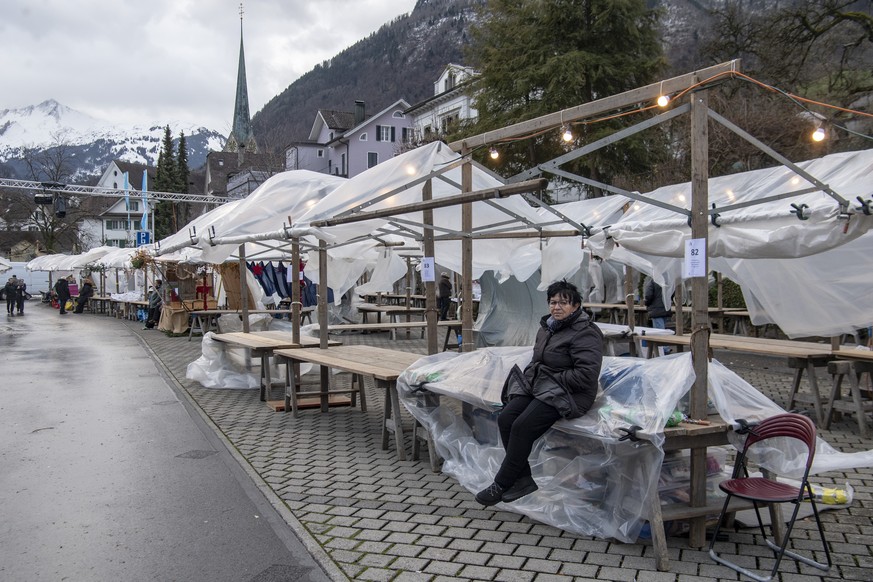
x: 565, y: 368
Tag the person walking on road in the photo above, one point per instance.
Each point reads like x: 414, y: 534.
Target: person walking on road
x: 10, y: 293
x: 20, y: 295
x: 62, y: 288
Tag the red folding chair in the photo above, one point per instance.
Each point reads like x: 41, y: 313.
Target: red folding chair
x: 762, y: 491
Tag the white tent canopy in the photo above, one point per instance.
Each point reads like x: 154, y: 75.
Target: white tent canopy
x: 811, y: 276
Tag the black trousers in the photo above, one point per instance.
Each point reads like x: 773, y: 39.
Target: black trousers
x: 10, y: 304
x: 522, y: 421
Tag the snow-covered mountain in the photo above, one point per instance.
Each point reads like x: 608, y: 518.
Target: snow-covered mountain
x: 90, y: 144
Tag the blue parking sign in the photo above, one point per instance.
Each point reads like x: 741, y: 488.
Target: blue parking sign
x: 143, y: 237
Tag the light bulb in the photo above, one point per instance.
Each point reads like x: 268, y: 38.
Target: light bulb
x: 663, y: 100
x: 494, y: 153
x: 819, y: 134
x: 566, y: 134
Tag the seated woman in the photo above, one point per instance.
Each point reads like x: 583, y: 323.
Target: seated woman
x: 85, y: 293
x: 560, y: 382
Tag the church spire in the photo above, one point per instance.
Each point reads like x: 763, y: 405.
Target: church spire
x: 241, y: 136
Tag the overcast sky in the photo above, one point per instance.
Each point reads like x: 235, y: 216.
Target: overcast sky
x: 164, y: 61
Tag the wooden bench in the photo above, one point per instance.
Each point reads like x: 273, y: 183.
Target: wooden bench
x: 262, y: 344
x: 381, y: 364
x: 392, y: 311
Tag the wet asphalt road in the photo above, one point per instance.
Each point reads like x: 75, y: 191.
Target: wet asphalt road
x: 105, y: 473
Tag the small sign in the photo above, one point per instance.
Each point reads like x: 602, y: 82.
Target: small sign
x: 695, y: 257
x: 427, y: 269
x: 143, y: 237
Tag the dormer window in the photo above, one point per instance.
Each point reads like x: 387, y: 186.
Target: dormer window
x: 363, y: 137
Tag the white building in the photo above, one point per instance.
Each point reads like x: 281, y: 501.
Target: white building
x: 116, y: 224
x: 451, y: 104
x: 347, y: 143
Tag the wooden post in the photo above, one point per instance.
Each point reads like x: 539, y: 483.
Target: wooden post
x: 678, y: 301
x: 700, y: 327
x: 324, y: 371
x: 629, y: 303
x: 295, y: 292
x: 430, y: 311
x: 243, y: 288
x: 466, y: 298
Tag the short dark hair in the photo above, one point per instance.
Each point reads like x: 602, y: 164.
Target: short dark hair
x: 564, y: 290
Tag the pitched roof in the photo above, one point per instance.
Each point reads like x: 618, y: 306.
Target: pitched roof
x: 134, y: 173
x: 341, y: 120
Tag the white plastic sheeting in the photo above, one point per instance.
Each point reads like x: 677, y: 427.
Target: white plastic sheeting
x: 389, y: 268
x: 214, y: 369
x: 591, y: 483
x: 823, y: 261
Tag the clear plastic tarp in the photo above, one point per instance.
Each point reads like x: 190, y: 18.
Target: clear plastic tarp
x: 590, y: 481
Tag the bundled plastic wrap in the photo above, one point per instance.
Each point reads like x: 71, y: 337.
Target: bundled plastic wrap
x: 591, y: 486
x: 214, y: 369
x: 735, y: 399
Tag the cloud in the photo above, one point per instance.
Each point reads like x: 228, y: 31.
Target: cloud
x: 131, y: 62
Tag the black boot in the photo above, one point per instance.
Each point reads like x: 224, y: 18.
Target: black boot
x: 491, y: 495
x: 524, y: 486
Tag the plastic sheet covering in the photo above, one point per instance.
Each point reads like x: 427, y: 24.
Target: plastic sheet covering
x: 736, y: 399
x: 389, y: 268
x: 214, y: 369
x: 596, y: 485
x: 231, y: 322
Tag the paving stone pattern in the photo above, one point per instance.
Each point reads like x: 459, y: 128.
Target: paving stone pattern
x: 383, y: 519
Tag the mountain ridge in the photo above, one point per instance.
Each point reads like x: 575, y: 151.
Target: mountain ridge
x: 89, y: 144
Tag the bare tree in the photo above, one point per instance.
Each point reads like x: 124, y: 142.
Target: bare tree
x: 57, y: 223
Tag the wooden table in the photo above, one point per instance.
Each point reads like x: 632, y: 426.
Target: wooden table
x: 130, y: 308
x: 801, y: 356
x: 262, y: 344
x: 100, y: 304
x: 618, y: 312
x: 614, y: 333
x: 202, y: 320
x: 389, y: 327
x: 851, y: 364
x: 381, y: 364
x: 392, y: 311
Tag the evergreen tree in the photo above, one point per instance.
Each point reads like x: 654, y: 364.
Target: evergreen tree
x: 182, y: 210
x: 182, y: 170
x: 540, y: 56
x: 165, y: 181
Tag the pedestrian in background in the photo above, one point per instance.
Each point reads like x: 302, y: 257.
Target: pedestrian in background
x: 445, y: 296
x: 655, y: 306
x: 62, y: 289
x: 155, y: 303
x: 9, y: 292
x: 85, y: 293
x: 20, y: 295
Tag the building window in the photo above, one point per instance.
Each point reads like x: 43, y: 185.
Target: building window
x: 384, y: 133
x: 428, y: 130
x: 117, y: 225
x: 363, y: 137
x: 372, y: 159
x: 115, y: 185
x: 406, y: 135
x: 319, y: 153
x: 134, y: 206
x: 399, y: 115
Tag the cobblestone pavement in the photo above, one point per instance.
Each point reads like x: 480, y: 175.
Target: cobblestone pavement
x: 378, y: 518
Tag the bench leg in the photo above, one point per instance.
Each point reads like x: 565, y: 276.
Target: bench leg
x: 795, y: 386
x: 836, y: 394
x: 325, y: 388
x: 859, y: 405
x: 816, y: 395
x: 392, y: 419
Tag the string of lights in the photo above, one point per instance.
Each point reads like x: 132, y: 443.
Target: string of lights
x: 663, y: 100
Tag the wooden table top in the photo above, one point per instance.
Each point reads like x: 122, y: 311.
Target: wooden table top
x: 773, y: 347
x: 370, y: 307
x: 853, y: 354
x: 273, y: 340
x: 380, y: 363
